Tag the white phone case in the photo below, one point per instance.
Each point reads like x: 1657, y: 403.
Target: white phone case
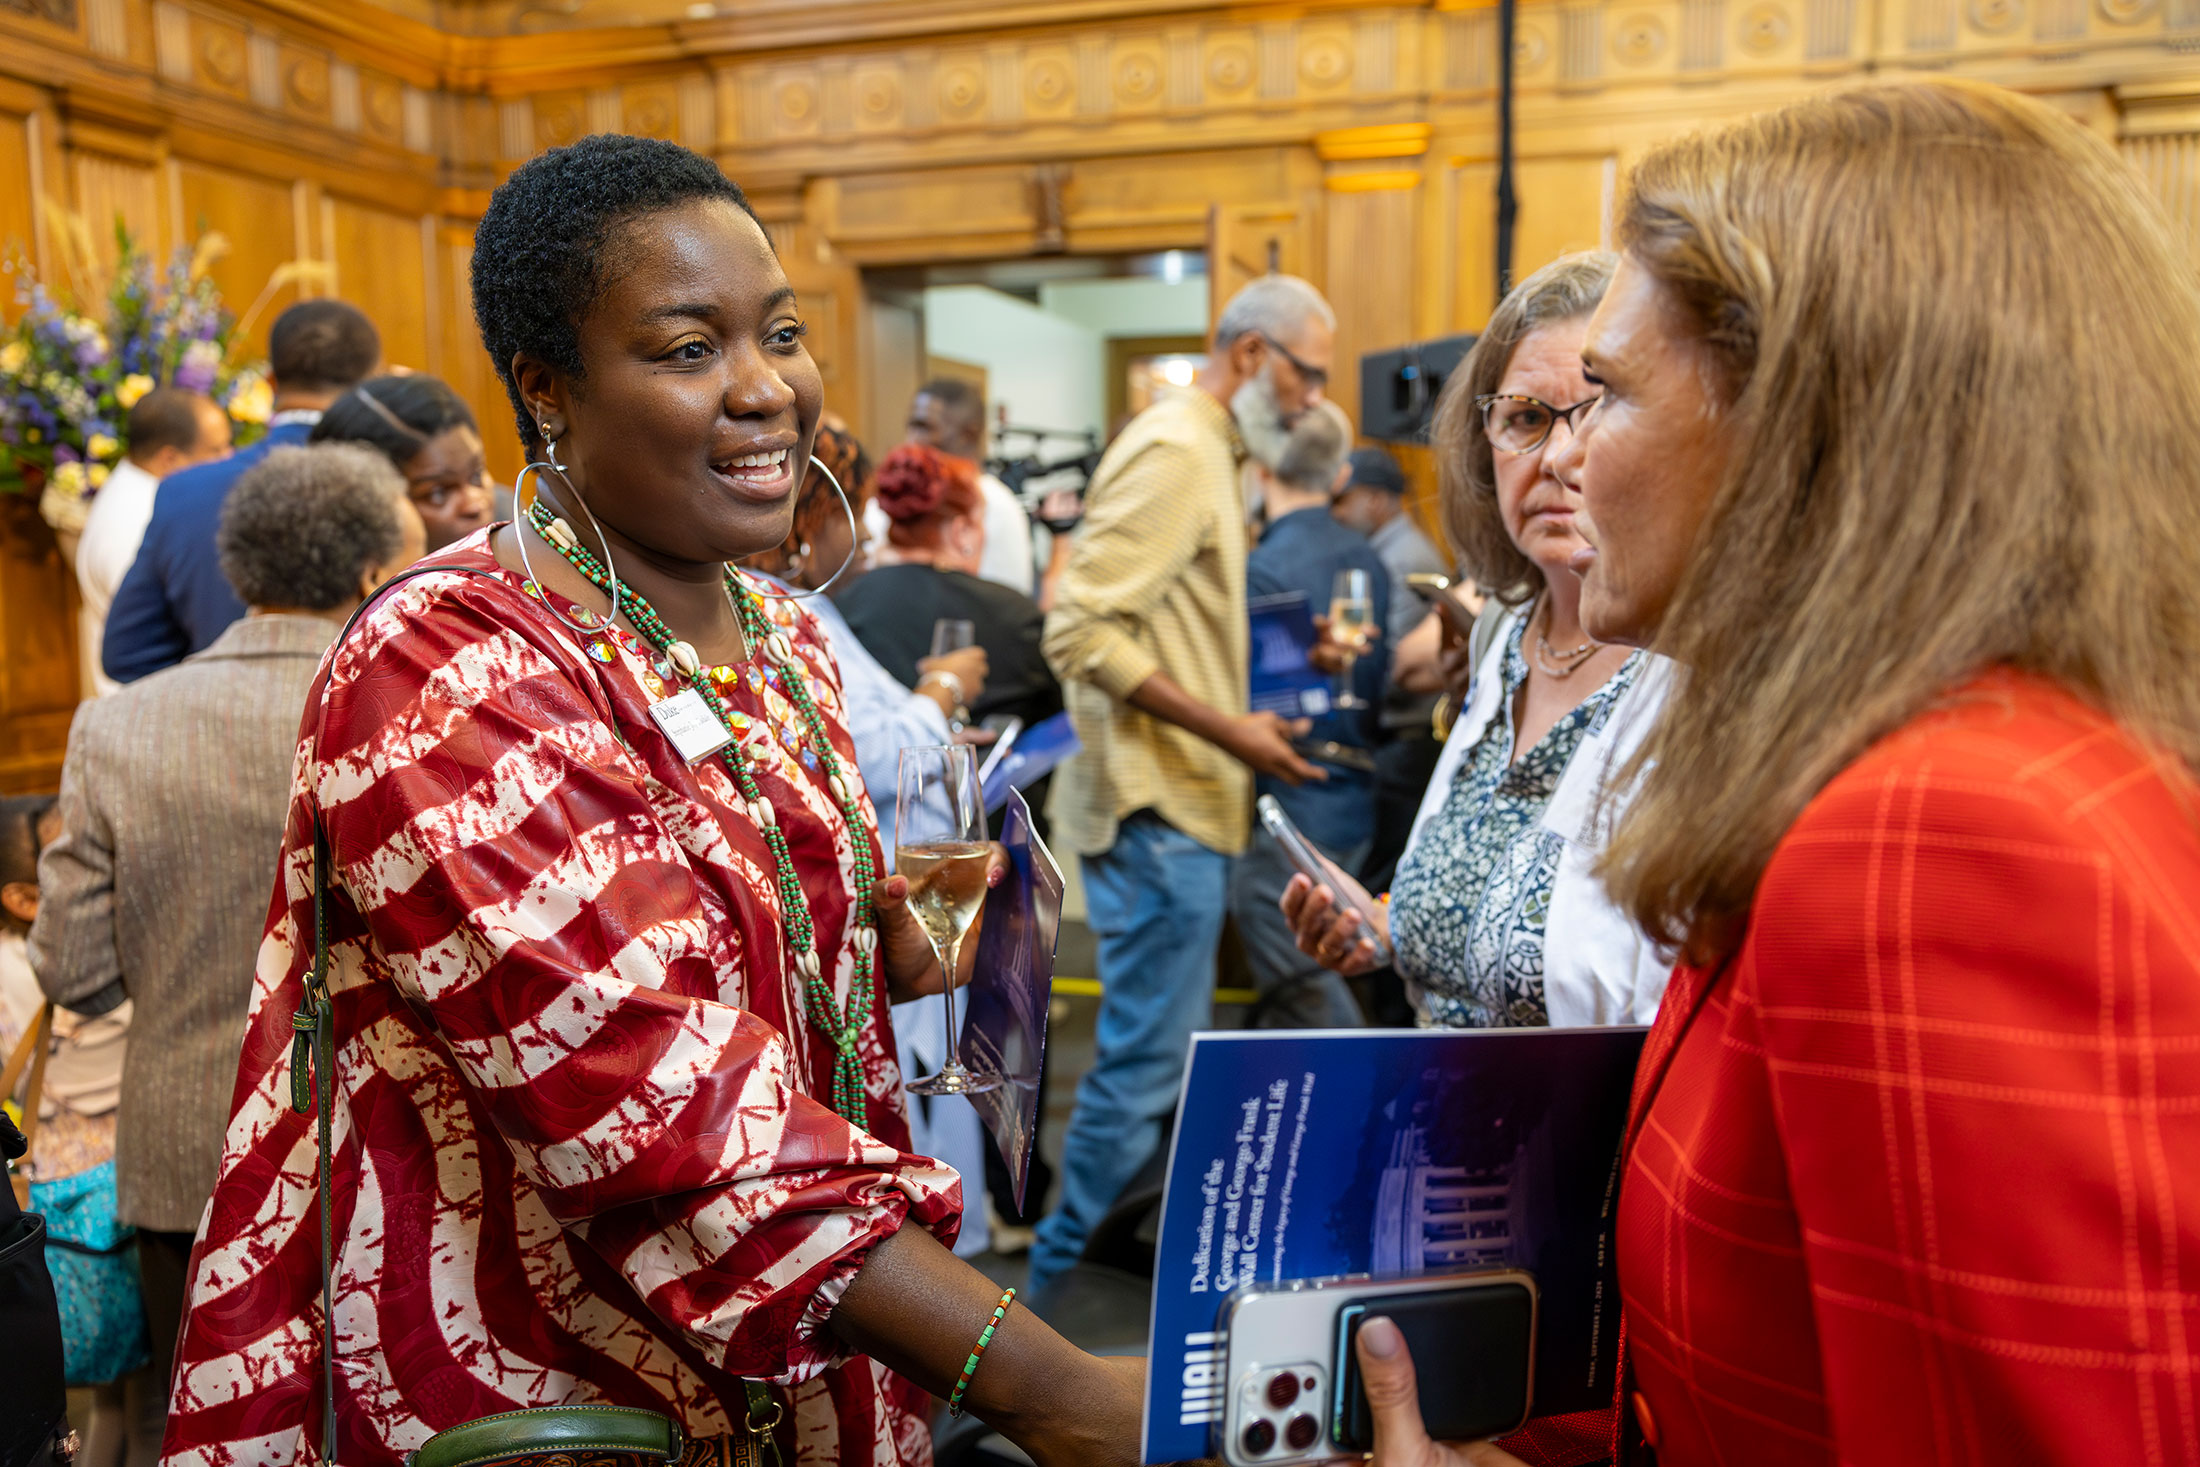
x: 1281, y: 1374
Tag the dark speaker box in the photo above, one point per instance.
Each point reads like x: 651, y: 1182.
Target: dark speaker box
x: 1399, y: 388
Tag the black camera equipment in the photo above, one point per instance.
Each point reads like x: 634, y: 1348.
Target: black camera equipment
x: 1399, y: 387
x: 1036, y: 479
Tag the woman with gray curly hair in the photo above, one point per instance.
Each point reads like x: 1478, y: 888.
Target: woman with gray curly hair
x: 315, y: 530
x: 1496, y: 916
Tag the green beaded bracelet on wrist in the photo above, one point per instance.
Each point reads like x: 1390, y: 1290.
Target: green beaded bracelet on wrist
x: 970, y: 1366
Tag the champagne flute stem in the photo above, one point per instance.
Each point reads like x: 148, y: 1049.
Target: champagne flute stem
x: 948, y: 963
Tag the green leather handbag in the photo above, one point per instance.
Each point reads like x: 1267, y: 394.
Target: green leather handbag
x: 540, y: 1436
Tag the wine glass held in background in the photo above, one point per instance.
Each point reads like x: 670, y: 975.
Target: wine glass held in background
x: 1351, y: 625
x: 941, y: 849
x: 952, y: 634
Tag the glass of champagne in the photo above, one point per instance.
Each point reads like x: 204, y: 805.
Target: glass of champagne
x: 1351, y: 623
x: 940, y: 846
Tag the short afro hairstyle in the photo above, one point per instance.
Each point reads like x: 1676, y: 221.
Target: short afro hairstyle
x: 539, y: 253
x: 397, y: 415
x: 322, y: 346
x: 303, y: 525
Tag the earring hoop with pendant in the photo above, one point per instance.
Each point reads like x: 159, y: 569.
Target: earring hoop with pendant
x: 854, y: 533
x: 523, y: 504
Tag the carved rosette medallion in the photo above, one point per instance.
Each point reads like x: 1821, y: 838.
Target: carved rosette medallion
x: 961, y: 90
x: 1049, y: 83
x: 797, y: 101
x: 651, y: 117
x: 382, y: 104
x: 56, y: 12
x: 1324, y: 61
x: 1765, y: 28
x: 878, y: 96
x: 306, y: 80
x: 1230, y: 69
x: 1639, y: 40
x: 558, y: 123
x: 222, y: 55
x: 1996, y: 17
x: 1138, y: 77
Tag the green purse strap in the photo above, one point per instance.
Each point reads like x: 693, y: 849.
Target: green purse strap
x: 562, y: 1429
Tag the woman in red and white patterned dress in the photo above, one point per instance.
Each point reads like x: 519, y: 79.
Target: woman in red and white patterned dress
x: 586, y: 1139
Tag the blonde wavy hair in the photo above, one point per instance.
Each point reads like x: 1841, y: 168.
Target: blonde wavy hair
x: 1567, y: 289
x: 1959, y: 349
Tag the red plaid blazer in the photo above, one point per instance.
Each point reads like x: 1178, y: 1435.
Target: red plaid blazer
x: 1915, y: 1177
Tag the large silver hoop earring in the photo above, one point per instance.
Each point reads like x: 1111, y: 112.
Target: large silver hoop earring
x: 523, y: 505
x: 848, y: 508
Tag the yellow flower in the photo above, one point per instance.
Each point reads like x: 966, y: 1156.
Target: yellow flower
x: 100, y: 448
x: 32, y: 435
x: 13, y: 357
x: 68, y: 478
x: 133, y: 389
x: 253, y: 401
x: 97, y: 473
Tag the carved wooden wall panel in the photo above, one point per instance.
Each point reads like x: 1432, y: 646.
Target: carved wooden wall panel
x: 259, y: 219
x: 382, y: 267
x: 1371, y: 279
x: 110, y: 189
x: 19, y: 172
x: 1565, y: 207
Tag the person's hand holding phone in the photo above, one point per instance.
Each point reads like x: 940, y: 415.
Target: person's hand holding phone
x: 1393, y: 1398
x: 1328, y: 930
x: 1454, y: 654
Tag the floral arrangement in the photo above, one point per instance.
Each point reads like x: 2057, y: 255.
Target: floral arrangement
x: 68, y: 377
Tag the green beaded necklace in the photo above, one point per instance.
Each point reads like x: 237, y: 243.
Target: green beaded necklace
x: 842, y: 1027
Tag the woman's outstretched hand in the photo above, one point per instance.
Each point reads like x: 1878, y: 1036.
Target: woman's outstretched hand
x: 906, y: 959
x: 1401, y: 1440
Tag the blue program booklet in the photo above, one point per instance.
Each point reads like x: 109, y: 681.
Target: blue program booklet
x: 1391, y: 1152
x: 1035, y: 753
x: 1283, y: 682
x: 1004, y: 1031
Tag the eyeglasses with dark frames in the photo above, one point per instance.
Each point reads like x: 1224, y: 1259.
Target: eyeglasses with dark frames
x: 1516, y: 423
x: 1316, y: 377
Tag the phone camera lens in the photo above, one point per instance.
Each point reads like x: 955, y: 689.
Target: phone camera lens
x: 1301, y: 1432
x: 1283, y: 1389
x: 1260, y: 1437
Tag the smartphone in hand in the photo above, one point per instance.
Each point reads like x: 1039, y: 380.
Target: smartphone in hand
x: 1291, y: 1382
x: 1307, y: 859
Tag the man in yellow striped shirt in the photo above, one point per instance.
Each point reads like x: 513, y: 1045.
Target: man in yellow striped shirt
x: 1148, y: 635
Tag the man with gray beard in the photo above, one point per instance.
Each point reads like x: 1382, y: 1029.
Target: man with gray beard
x: 1149, y: 637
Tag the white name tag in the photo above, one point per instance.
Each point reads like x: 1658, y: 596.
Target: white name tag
x: 694, y: 730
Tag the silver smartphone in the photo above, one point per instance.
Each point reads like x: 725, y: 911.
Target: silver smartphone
x: 1291, y: 1383
x: 1307, y: 859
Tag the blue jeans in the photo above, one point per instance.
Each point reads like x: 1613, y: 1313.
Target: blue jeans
x: 1155, y: 900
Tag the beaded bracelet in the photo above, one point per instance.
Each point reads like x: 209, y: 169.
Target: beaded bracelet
x: 970, y: 1366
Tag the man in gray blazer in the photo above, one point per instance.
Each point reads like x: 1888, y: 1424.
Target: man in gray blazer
x: 174, y: 795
